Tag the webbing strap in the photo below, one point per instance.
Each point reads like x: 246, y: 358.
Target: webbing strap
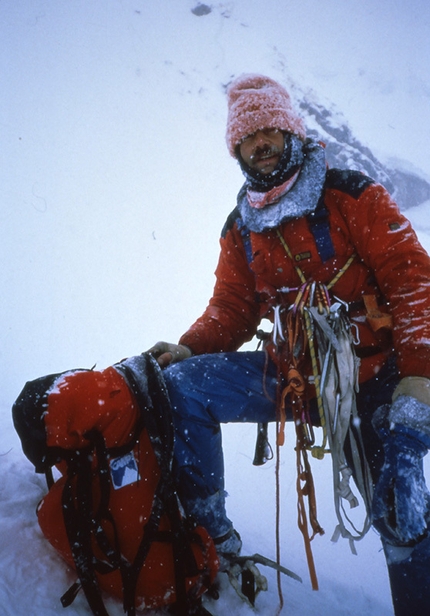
x: 77, y: 516
x: 305, y: 487
x: 246, y: 237
x: 319, y: 224
x: 157, y: 419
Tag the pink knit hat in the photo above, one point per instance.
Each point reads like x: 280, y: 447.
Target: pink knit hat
x: 256, y: 102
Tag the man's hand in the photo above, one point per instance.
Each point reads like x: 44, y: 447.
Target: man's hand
x: 166, y: 353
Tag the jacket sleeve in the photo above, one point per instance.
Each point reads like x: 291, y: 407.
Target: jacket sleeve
x: 232, y: 316
x: 386, y: 242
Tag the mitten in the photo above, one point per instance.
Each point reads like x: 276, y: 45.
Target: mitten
x: 166, y: 353
x: 401, y: 498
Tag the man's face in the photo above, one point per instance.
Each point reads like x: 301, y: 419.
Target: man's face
x: 261, y: 150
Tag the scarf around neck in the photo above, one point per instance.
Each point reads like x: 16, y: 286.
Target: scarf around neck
x: 296, y: 199
x: 261, y: 199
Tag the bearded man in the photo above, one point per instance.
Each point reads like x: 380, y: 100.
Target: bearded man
x: 297, y: 223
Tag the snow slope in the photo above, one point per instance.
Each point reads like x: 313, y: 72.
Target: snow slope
x: 115, y: 183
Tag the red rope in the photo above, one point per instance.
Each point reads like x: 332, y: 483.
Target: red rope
x: 278, y: 525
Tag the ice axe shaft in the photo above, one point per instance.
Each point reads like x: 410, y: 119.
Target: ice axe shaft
x: 263, y: 450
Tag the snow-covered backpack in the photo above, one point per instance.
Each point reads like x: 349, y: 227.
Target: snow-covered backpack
x: 113, y: 513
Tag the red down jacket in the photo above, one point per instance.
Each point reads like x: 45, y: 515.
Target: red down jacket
x: 390, y: 264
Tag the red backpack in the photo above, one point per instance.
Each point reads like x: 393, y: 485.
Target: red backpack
x: 114, y: 514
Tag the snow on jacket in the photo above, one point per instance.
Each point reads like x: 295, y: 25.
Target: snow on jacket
x: 390, y: 264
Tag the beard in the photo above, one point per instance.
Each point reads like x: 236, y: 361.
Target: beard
x: 291, y: 158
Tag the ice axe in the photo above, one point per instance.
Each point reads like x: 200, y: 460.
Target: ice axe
x: 263, y: 450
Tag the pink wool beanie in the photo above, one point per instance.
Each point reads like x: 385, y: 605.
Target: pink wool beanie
x: 256, y: 102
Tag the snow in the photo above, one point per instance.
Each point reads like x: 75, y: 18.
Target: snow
x: 115, y: 184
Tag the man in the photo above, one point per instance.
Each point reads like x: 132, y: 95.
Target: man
x: 297, y: 221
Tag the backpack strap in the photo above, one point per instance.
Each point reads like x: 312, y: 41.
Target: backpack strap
x: 236, y: 217
x: 77, y: 513
x: 245, y: 232
x: 151, y: 393
x: 318, y: 222
x: 350, y: 182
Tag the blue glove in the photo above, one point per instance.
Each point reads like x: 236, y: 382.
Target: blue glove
x: 401, y: 499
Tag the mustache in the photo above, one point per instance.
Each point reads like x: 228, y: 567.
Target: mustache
x: 264, y: 151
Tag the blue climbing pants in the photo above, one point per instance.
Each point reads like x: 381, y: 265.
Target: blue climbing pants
x: 208, y: 390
